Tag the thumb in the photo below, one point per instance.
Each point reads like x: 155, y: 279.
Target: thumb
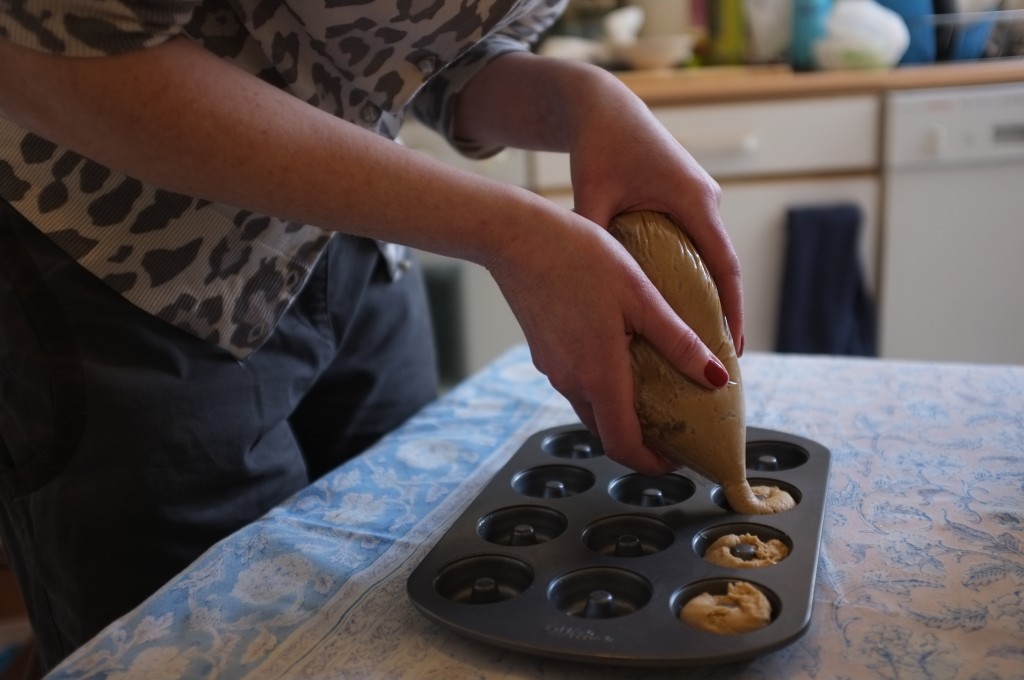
x: 681, y: 347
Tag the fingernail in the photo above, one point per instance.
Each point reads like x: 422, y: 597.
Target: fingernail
x: 715, y: 373
x: 743, y: 341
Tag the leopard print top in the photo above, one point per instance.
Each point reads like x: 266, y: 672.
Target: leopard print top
x: 221, y: 273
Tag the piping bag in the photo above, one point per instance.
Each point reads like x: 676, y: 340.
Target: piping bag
x: 687, y: 423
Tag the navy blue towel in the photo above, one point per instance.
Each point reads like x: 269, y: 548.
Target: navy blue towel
x: 825, y: 307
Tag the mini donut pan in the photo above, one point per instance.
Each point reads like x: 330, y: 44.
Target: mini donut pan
x: 567, y: 554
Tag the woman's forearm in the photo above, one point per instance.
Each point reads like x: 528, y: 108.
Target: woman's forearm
x: 622, y: 158
x: 180, y: 118
x: 530, y: 102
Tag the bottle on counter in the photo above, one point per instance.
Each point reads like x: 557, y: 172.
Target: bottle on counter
x: 727, y: 29
x: 809, y: 17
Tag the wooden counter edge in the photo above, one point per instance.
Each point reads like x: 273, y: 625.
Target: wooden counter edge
x: 725, y: 84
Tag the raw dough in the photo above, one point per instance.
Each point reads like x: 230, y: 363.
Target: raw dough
x: 742, y: 609
x: 687, y: 423
x: 766, y: 554
x: 770, y: 498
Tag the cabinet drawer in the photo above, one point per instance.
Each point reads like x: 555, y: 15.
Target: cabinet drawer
x: 831, y: 134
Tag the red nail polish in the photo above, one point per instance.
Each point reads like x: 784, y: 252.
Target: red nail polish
x: 743, y: 341
x: 715, y: 373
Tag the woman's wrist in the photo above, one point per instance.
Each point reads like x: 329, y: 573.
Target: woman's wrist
x: 591, y: 98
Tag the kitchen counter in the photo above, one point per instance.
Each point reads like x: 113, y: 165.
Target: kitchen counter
x: 725, y: 84
x: 918, y: 574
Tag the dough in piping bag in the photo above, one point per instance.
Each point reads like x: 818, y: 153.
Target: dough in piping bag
x: 687, y: 423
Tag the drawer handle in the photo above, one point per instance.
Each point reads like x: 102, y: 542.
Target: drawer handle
x: 745, y: 144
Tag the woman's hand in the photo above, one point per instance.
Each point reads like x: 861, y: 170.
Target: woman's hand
x: 623, y: 160
x: 580, y: 298
x: 578, y: 295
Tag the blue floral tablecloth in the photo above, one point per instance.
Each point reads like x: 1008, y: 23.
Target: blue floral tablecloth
x: 921, y: 570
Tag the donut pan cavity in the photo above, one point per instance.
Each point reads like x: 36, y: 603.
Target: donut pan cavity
x: 567, y: 554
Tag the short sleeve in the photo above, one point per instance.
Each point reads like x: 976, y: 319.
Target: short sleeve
x: 435, y: 104
x: 91, y: 28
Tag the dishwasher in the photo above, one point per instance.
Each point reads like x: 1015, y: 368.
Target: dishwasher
x: 952, y: 255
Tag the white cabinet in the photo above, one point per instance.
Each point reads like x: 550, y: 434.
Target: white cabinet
x: 953, y: 277
x: 753, y: 139
x: 769, y: 156
x: 755, y: 215
x: 954, y: 174
x: 936, y: 175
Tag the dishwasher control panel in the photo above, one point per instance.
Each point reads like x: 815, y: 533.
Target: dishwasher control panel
x: 954, y: 125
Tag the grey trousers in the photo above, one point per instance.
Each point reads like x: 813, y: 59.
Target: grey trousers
x: 128, y: 447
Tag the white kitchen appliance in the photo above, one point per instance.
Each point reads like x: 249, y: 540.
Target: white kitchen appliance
x: 953, y: 245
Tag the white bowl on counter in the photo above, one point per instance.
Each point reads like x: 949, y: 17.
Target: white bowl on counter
x: 655, y: 51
